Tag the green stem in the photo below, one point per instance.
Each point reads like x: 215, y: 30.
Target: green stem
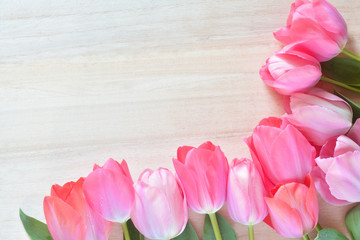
x: 125, y: 230
x: 351, y: 54
x: 251, y: 232
x: 318, y: 227
x: 329, y: 80
x: 306, y: 237
x: 215, y: 226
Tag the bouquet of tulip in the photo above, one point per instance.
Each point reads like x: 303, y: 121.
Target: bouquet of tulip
x: 314, y: 147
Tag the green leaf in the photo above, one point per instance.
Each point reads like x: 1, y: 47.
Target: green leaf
x: 188, y: 233
x: 355, y: 107
x: 345, y: 70
x: 134, y: 233
x: 330, y: 234
x: 34, y: 228
x: 352, y: 221
x: 226, y: 231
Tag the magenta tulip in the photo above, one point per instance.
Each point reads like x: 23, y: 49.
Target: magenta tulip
x: 291, y: 71
x: 109, y: 191
x: 319, y: 115
x: 160, y: 209
x: 314, y: 27
x: 280, y: 152
x: 245, y: 193
x: 293, y: 208
x: 203, y: 172
x: 69, y: 217
x: 338, y: 176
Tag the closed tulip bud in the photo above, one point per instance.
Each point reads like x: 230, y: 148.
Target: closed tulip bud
x: 245, y: 193
x: 280, y: 152
x: 314, y: 27
x: 160, y: 209
x: 203, y: 172
x: 319, y: 115
x: 69, y: 217
x: 293, y: 208
x: 291, y: 71
x: 109, y: 191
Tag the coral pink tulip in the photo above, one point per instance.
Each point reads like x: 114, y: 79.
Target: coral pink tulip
x: 338, y: 176
x: 109, y: 191
x: 314, y: 27
x: 203, y: 172
x: 245, y: 193
x: 291, y: 71
x: 281, y: 153
x: 160, y: 210
x: 293, y: 208
x: 319, y: 115
x: 69, y: 217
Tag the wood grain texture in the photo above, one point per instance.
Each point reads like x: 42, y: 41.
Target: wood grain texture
x: 82, y: 81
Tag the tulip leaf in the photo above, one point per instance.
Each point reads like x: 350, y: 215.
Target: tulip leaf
x: 330, y: 234
x: 355, y: 107
x: 352, y: 221
x: 188, y: 233
x: 226, y: 231
x: 341, y: 69
x: 133, y: 232
x: 34, y: 228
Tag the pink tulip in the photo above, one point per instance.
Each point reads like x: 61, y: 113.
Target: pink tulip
x: 314, y: 27
x: 291, y: 71
x: 69, y: 217
x: 203, y: 172
x: 109, y: 191
x: 338, y: 176
x: 160, y: 209
x: 245, y: 193
x: 293, y: 208
x: 319, y: 115
x: 280, y: 152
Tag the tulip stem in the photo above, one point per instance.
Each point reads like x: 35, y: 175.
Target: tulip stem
x: 215, y: 226
x: 125, y: 230
x: 306, y: 237
x: 318, y: 227
x: 329, y: 80
x: 351, y: 54
x: 251, y: 232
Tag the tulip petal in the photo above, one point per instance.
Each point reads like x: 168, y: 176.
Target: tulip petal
x: 354, y: 132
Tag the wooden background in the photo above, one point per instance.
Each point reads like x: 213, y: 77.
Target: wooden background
x: 82, y: 81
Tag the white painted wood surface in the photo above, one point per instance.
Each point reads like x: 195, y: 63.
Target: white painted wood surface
x: 82, y: 81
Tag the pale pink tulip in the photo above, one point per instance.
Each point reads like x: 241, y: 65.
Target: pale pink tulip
x: 314, y: 27
x: 319, y: 115
x: 69, y: 217
x: 160, y: 210
x: 245, y: 193
x: 203, y: 172
x: 293, y: 208
x: 338, y: 176
x: 280, y: 152
x: 291, y: 71
x: 109, y: 191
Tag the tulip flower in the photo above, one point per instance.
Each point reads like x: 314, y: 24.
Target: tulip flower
x: 293, y: 208
x: 315, y: 28
x: 245, y: 194
x: 319, y: 115
x: 280, y: 152
x: 291, y: 71
x: 338, y: 176
x: 109, y: 191
x: 69, y: 217
x: 203, y: 172
x: 160, y: 209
